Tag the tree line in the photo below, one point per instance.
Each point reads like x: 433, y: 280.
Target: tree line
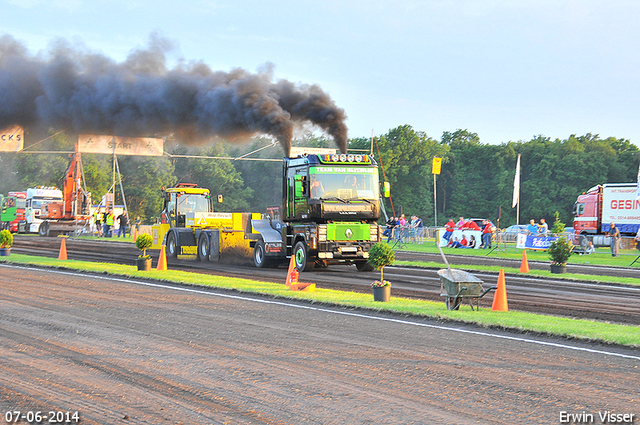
x: 476, y: 180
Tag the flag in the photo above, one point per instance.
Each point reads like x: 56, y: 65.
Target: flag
x: 638, y: 189
x: 516, y: 185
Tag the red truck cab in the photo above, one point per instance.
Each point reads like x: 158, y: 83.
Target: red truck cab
x: 19, y: 224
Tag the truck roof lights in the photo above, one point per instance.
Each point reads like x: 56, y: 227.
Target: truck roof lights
x: 345, y: 159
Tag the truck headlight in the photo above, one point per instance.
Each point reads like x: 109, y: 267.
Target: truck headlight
x: 373, y: 232
x: 322, y: 233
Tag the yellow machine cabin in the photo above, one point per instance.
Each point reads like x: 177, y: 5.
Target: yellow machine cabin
x: 189, y: 228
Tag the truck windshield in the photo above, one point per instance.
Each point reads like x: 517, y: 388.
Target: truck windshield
x: 343, y: 183
x: 37, y: 203
x: 192, y: 203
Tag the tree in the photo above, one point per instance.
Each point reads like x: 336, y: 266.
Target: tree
x: 142, y: 180
x: 218, y: 175
x: 406, y: 156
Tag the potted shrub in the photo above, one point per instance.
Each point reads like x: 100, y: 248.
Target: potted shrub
x: 558, y: 227
x: 381, y: 255
x: 144, y: 242
x: 559, y: 253
x: 6, y: 240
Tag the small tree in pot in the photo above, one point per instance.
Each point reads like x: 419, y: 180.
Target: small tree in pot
x: 560, y: 249
x: 558, y: 226
x: 144, y: 242
x: 381, y: 255
x: 6, y: 240
x: 559, y: 253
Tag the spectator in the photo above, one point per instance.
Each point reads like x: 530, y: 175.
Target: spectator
x: 401, y: 228
x: 456, y: 243
x: 486, y: 234
x: 464, y: 242
x: 638, y: 239
x: 388, y: 232
x: 532, y: 228
x: 98, y: 221
x: 123, y: 221
x: 472, y: 242
x: 470, y: 225
x: 137, y: 224
x: 614, y: 234
x: 590, y: 248
x: 460, y: 222
x: 449, y: 227
x: 419, y: 230
x: 543, y: 227
x: 108, y: 224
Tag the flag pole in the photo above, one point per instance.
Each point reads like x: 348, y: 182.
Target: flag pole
x: 516, y: 191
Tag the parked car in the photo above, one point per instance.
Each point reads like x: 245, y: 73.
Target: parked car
x: 568, y: 232
x: 510, y: 234
x: 479, y: 222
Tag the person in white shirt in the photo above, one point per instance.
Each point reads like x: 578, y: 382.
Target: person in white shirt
x: 590, y: 249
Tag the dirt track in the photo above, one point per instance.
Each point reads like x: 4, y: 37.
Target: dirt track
x: 583, y: 300
x: 119, y: 352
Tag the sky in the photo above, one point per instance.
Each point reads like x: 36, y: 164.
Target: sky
x: 506, y: 70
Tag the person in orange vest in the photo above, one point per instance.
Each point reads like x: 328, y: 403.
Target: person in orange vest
x: 108, y: 223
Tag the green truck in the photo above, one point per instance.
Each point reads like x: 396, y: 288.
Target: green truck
x: 330, y: 206
x: 8, y: 210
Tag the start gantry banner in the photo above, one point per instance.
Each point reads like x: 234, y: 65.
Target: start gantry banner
x: 91, y: 143
x: 12, y: 139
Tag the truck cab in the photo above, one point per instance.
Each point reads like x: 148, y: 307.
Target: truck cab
x: 190, y: 229
x: 37, y: 199
x: 328, y: 215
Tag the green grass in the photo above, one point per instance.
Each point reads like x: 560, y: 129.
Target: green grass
x: 629, y: 281
x: 602, y: 256
x: 129, y: 238
x: 524, y: 322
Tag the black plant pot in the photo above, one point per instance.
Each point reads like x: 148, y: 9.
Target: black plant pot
x: 382, y: 293
x: 558, y: 269
x: 143, y: 264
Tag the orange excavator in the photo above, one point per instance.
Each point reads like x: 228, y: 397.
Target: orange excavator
x: 72, y: 215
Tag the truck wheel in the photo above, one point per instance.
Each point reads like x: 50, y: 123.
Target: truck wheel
x: 43, y: 230
x: 260, y: 256
x: 172, y: 245
x: 203, y: 248
x: 364, y: 266
x: 303, y: 262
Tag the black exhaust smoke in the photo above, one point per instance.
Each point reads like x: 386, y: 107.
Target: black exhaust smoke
x: 90, y: 93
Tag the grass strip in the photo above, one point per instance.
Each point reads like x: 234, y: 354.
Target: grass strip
x: 587, y: 330
x: 509, y: 251
x: 629, y: 281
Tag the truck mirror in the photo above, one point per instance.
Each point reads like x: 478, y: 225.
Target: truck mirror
x: 386, y: 189
x: 219, y: 199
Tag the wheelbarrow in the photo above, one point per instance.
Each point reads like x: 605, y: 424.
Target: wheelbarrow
x: 459, y: 285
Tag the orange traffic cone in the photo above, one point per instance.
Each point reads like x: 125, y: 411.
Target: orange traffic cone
x: 162, y: 261
x: 524, y: 266
x: 500, y: 298
x: 292, y: 272
x: 135, y: 234
x: 63, y: 250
